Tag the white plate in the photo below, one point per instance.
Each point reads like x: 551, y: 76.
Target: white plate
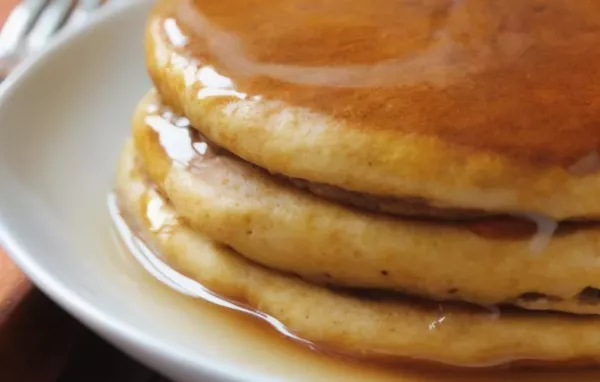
x: 63, y: 119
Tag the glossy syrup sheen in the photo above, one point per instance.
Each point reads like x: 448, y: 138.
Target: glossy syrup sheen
x: 276, y: 347
x: 186, y: 147
x: 174, y: 135
x: 514, y: 77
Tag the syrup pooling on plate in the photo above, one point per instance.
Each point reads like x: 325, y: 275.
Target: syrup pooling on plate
x: 161, y: 221
x: 336, y: 368
x: 142, y: 250
x: 374, y: 64
x: 207, y: 271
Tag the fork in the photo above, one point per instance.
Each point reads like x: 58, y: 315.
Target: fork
x: 32, y: 24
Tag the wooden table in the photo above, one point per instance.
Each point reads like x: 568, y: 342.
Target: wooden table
x: 41, y: 343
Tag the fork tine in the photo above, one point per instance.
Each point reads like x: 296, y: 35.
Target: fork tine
x: 50, y: 20
x: 89, y: 5
x: 17, y: 25
x: 82, y: 11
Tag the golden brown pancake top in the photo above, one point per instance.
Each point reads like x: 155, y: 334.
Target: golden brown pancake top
x: 513, y: 77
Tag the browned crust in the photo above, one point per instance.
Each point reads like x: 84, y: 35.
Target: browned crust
x: 512, y: 77
x: 523, y: 154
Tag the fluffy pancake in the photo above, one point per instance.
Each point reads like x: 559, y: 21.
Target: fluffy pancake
x: 280, y: 226
x: 359, y: 326
x: 489, y: 105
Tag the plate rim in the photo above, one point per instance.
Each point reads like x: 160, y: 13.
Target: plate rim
x: 77, y: 305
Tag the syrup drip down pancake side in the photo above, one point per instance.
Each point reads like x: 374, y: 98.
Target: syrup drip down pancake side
x: 351, y: 324
x: 274, y: 223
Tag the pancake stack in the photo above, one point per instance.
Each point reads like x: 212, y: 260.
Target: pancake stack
x: 387, y: 179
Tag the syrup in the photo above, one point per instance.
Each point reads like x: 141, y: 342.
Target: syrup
x: 255, y: 344
x: 186, y: 147
x: 439, y: 65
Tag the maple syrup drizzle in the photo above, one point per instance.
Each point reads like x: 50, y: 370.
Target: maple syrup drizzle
x: 158, y: 268
x: 382, y: 65
x: 186, y: 147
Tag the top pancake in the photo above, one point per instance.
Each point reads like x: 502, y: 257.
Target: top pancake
x: 490, y: 104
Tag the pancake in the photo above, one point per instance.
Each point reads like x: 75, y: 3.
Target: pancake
x: 402, y: 207
x: 359, y: 326
x: 409, y: 207
x: 280, y: 226
x: 490, y: 105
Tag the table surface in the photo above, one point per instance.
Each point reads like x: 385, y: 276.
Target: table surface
x: 39, y: 342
